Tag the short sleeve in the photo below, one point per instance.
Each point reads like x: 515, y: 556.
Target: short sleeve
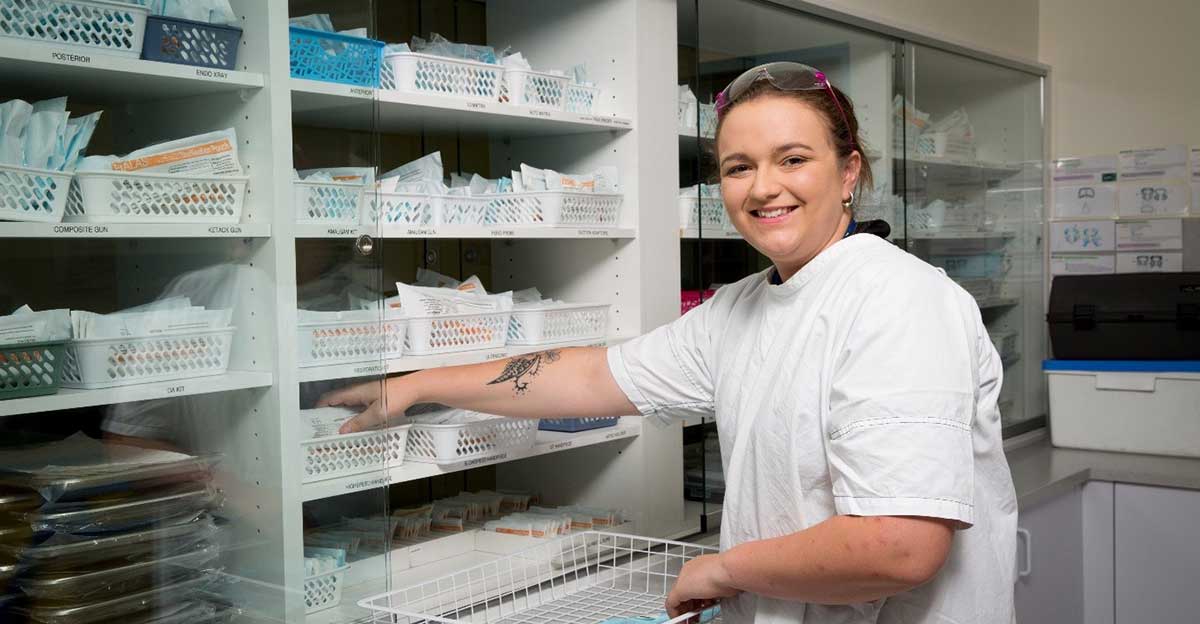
x: 667, y: 372
x: 902, y: 403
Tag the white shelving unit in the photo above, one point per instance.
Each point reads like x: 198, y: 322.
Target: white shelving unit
x: 68, y: 398
x: 133, y: 230
x: 460, y: 232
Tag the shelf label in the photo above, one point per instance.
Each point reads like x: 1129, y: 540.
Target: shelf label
x: 67, y: 57
x: 81, y: 229
x: 225, y: 229
x: 369, y: 370
x: 176, y: 389
x: 604, y: 233
x: 341, y: 231
x: 495, y: 356
x: 421, y: 232
x: 212, y: 74
x: 540, y: 113
x: 560, y: 446
x: 504, y: 232
x: 366, y: 483
x: 477, y: 106
x: 490, y: 459
x: 362, y: 92
x: 616, y: 435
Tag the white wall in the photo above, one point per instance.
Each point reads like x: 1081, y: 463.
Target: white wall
x: 1124, y: 73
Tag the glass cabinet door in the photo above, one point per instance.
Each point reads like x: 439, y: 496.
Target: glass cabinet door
x: 972, y: 134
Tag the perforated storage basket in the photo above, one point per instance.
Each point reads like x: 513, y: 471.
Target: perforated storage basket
x: 328, y: 202
x: 341, y: 342
x: 108, y: 363
x: 708, y: 120
x: 116, y: 197
x: 576, y: 425
x: 580, y: 99
x: 705, y: 212
x: 33, y: 194
x: 453, y: 333
x: 187, y: 42
x: 437, y: 75
x: 564, y: 208
x: 356, y: 453
x: 447, y: 444
x: 412, y: 209
x: 29, y: 370
x: 458, y: 210
x: 524, y: 87
x: 943, y: 145
x: 561, y: 323
x: 324, y: 591
x: 92, y: 25
x: 333, y: 57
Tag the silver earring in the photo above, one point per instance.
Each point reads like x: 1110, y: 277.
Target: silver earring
x: 848, y: 203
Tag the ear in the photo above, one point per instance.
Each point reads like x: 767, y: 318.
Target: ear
x: 850, y: 173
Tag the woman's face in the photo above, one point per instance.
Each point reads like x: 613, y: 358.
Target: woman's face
x: 781, y: 180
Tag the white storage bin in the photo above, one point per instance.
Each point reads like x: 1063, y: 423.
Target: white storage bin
x: 328, y: 202
x: 108, y: 363
x: 1007, y: 344
x: 115, y: 197
x: 524, y: 87
x: 341, y: 342
x: 447, y: 444
x: 943, y: 145
x: 453, y: 333
x: 355, y: 453
x: 115, y: 28
x: 459, y: 210
x: 324, y: 590
x: 581, y: 99
x: 437, y: 75
x: 708, y: 120
x: 1134, y: 406
x: 413, y: 209
x: 710, y: 216
x: 555, y: 208
x: 561, y: 323
x: 36, y: 195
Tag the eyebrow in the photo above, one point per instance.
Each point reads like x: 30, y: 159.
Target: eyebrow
x: 786, y: 147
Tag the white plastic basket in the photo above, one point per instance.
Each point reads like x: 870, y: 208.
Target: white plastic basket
x: 413, y: 209
x: 453, y: 333
x: 341, y: 342
x: 94, y: 25
x: 115, y: 197
x: 708, y: 120
x: 580, y: 99
x: 437, y: 75
x: 448, y: 444
x: 564, y: 208
x: 564, y: 323
x: 33, y: 194
x: 943, y: 145
x: 355, y: 453
x: 584, y: 577
x: 324, y: 590
x: 707, y: 213
x: 108, y: 363
x: 459, y: 210
x: 328, y: 202
x: 523, y: 87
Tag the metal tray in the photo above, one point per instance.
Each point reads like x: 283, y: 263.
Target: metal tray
x: 84, y: 553
x: 121, y: 580
x: 119, y: 608
x: 123, y: 515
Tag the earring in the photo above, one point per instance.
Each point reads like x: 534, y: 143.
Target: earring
x: 848, y: 203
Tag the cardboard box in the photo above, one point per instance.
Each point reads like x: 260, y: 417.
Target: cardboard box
x: 1150, y: 262
x: 1082, y: 236
x: 1082, y: 264
x: 1149, y: 234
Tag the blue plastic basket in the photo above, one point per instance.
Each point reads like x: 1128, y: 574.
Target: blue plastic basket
x: 332, y: 57
x: 575, y: 425
x: 186, y: 42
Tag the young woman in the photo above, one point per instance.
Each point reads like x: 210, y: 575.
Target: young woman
x: 854, y: 389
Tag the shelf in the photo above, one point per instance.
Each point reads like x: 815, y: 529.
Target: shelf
x: 329, y: 105
x: 68, y: 398
x: 997, y: 302
x: 960, y: 169
x: 449, y: 231
x: 958, y: 236
x: 134, y: 230
x: 46, y: 68
x: 709, y: 234
x: 547, y: 442
x: 422, y: 362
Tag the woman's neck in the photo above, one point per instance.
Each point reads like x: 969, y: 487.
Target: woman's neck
x: 787, y: 270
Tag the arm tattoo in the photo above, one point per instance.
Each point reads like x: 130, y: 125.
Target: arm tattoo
x: 522, y: 369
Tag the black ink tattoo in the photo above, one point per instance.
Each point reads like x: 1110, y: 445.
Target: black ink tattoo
x: 522, y: 369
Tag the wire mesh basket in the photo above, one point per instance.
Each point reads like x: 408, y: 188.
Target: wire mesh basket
x: 324, y: 591
x: 33, y: 194
x: 453, y: 333
x: 334, y: 57
x: 116, y: 197
x: 552, y: 208
x: 355, y: 453
x: 95, y: 25
x: 28, y: 370
x: 187, y: 42
x: 580, y: 99
x: 343, y: 342
x: 412, y: 209
x: 328, y: 202
x: 585, y: 577
x: 576, y: 425
x: 448, y: 444
x: 524, y: 87
x: 108, y: 363
x: 561, y: 323
x: 438, y: 75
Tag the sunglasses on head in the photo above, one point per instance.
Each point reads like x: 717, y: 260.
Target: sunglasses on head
x: 783, y: 75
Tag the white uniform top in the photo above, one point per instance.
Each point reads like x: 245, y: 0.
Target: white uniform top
x: 864, y: 385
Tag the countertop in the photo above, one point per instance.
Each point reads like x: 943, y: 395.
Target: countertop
x: 1041, y: 472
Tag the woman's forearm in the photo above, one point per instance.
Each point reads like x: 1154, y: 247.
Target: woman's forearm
x: 844, y: 560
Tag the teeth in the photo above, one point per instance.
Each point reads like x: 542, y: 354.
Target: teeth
x: 770, y: 214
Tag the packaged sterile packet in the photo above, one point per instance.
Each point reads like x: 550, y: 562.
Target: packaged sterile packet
x: 214, y: 154
x: 25, y: 326
x: 420, y: 302
x: 323, y: 422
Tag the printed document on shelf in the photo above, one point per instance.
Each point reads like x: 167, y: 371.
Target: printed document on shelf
x: 1149, y: 234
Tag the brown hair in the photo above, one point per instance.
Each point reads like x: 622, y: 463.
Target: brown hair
x: 844, y: 136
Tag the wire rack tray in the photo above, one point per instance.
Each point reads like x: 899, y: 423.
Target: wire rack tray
x: 582, y: 578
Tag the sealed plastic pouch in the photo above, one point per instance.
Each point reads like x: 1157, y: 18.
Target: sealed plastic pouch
x: 162, y: 600
x: 185, y: 501
x: 67, y: 553
x: 122, y: 579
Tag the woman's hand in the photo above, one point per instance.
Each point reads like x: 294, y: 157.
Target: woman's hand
x: 381, y: 400
x: 702, y: 581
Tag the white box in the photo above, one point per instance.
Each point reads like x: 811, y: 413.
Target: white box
x: 1132, y: 407
x: 1149, y: 234
x: 1082, y: 264
x: 1153, y: 197
x: 1085, y: 202
x: 1082, y: 236
x: 1150, y: 262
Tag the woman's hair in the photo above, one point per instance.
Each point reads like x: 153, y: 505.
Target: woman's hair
x: 844, y: 136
